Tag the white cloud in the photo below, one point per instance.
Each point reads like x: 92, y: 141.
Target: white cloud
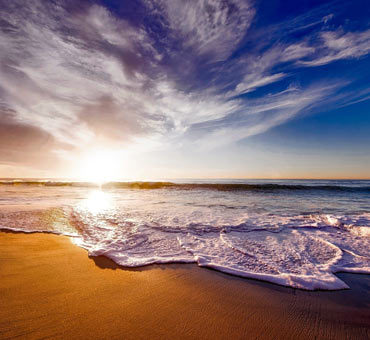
x: 259, y: 115
x: 96, y: 78
x: 250, y: 83
x: 338, y: 45
x: 210, y: 27
x: 296, y: 51
x: 49, y: 77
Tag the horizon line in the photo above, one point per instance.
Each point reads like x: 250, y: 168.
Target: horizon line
x: 189, y: 178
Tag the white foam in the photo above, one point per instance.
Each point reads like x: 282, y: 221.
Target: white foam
x: 302, y: 251
x: 281, y: 258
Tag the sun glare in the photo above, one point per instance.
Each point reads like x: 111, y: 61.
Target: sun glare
x: 100, y: 166
x: 97, y: 201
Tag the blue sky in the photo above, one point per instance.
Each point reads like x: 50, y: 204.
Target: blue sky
x: 175, y: 89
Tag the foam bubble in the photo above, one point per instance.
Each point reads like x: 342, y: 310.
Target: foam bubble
x: 215, y: 230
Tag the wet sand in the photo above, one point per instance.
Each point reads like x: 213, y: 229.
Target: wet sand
x: 50, y: 288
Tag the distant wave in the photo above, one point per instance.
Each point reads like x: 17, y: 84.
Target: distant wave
x: 192, y: 186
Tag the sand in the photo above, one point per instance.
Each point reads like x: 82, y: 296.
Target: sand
x: 50, y: 288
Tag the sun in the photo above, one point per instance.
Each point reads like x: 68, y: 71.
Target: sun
x: 100, y: 166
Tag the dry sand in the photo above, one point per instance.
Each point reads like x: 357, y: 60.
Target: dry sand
x: 50, y: 288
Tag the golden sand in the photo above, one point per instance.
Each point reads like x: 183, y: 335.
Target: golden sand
x: 50, y: 288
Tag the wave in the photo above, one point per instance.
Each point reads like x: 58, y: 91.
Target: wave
x: 298, y: 251
x: 268, y: 187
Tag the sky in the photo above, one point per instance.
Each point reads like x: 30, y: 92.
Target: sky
x: 161, y: 89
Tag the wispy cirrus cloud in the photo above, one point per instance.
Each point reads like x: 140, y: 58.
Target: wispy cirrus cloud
x: 51, y: 74
x: 255, y: 116
x: 206, y: 27
x: 83, y: 75
x: 338, y: 45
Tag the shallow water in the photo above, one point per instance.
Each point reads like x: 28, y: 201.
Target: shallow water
x: 294, y: 233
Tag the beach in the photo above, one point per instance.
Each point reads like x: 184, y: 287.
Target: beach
x: 50, y: 288
x: 184, y: 169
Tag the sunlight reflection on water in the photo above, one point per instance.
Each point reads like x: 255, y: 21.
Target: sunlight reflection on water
x: 97, y: 201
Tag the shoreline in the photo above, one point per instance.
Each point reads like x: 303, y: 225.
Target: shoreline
x: 114, y: 265
x: 49, y: 287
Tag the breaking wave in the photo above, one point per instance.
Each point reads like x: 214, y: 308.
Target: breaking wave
x: 296, y: 235
x: 299, y: 251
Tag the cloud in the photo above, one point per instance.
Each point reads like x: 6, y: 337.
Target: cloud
x: 210, y: 27
x: 51, y: 74
x: 95, y: 78
x: 337, y: 45
x: 327, y: 18
x: 296, y: 51
x: 21, y: 143
x: 257, y: 69
x: 250, y: 83
x: 75, y: 74
x: 256, y: 116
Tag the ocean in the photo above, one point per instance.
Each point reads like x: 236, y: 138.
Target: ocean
x: 296, y: 233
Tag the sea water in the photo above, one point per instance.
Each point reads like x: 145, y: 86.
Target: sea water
x: 296, y: 233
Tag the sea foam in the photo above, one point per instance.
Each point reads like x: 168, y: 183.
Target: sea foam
x: 255, y: 237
